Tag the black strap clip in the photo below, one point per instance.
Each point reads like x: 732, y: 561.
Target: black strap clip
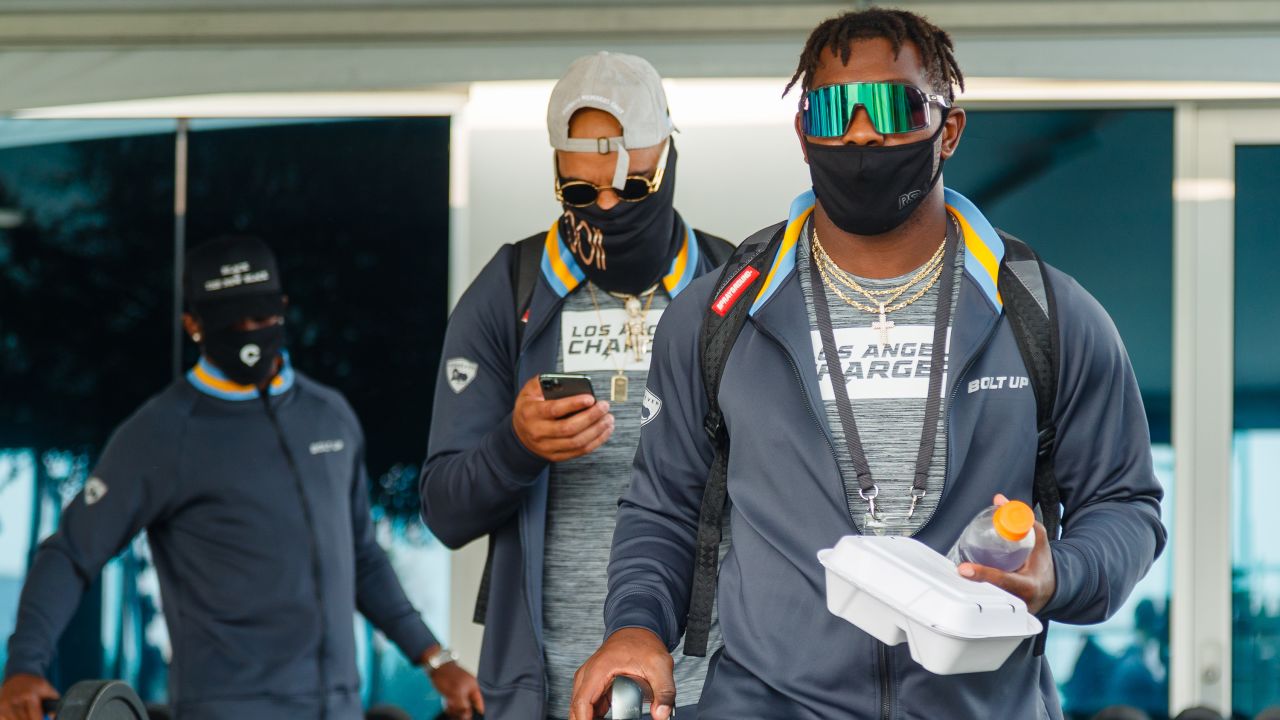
x: 1045, y: 441
x: 713, y: 424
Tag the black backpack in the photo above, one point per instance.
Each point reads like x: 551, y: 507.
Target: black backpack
x: 1029, y: 305
x: 526, y: 264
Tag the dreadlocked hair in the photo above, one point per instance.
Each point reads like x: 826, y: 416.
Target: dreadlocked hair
x: 898, y: 27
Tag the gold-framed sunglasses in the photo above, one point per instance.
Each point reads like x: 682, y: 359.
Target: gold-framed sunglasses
x: 580, y: 193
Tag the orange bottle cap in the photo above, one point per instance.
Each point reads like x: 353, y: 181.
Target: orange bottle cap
x: 1014, y: 520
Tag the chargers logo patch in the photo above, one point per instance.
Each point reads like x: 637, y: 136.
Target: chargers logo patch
x: 460, y: 372
x: 94, y: 490
x: 651, y: 407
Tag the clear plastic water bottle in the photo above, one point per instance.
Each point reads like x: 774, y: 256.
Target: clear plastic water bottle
x: 1000, y: 537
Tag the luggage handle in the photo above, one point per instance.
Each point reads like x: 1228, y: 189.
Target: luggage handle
x: 627, y: 699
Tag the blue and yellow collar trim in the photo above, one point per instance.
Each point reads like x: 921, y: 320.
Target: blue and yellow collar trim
x: 209, y: 380
x: 564, y: 275
x: 983, y: 247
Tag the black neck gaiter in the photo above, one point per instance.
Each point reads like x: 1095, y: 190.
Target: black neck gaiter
x: 629, y: 247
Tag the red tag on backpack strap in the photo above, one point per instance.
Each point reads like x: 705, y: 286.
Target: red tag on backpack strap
x: 734, y: 290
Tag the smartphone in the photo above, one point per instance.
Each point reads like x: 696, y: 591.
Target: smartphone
x: 556, y: 385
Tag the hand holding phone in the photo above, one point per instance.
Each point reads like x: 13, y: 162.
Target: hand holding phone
x: 558, y: 418
x: 556, y: 386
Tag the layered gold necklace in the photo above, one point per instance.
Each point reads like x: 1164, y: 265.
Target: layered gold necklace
x: 882, y: 302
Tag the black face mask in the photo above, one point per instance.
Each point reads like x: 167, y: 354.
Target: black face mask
x: 248, y: 358
x: 628, y: 247
x: 872, y: 190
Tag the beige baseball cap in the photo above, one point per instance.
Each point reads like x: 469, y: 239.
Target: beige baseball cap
x: 625, y: 86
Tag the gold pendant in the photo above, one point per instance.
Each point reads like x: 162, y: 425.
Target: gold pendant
x: 618, y: 388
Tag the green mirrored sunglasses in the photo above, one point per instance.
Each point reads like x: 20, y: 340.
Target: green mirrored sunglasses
x: 893, y: 108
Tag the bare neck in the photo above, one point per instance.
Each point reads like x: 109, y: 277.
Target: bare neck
x: 890, y: 254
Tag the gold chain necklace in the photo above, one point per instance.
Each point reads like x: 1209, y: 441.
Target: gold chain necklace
x: 892, y: 294
x: 933, y: 269
x: 637, y: 336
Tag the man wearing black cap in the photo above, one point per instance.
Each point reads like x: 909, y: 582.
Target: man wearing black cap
x: 249, y: 479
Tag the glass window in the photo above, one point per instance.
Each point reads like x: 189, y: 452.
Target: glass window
x: 1256, y: 455
x: 86, y: 251
x: 17, y: 501
x: 1068, y: 183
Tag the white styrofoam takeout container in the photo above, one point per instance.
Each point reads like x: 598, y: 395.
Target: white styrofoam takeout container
x: 897, y: 589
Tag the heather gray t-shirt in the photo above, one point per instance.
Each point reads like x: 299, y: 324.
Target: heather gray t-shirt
x: 582, y: 504
x: 887, y: 387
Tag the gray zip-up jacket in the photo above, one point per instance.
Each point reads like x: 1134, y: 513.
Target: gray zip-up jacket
x: 201, y: 469
x: 480, y: 480
x: 785, y: 655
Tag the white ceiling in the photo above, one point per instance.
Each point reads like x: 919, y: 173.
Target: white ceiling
x: 62, y: 52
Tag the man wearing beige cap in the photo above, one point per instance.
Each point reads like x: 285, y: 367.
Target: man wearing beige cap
x: 540, y: 476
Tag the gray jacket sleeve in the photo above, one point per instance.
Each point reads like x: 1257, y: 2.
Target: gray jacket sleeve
x: 379, y: 595
x: 477, y: 471
x: 132, y: 484
x: 651, y: 565
x: 1110, y: 495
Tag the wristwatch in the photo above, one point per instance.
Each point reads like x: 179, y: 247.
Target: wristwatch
x: 442, y: 657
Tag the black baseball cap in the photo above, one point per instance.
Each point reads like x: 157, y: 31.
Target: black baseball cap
x: 232, y: 278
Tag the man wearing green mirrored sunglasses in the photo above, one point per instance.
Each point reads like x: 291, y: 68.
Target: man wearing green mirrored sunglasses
x: 873, y: 384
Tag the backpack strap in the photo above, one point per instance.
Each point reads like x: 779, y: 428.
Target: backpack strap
x: 526, y: 262
x: 720, y: 327
x: 716, y: 249
x: 1029, y: 304
x: 525, y: 266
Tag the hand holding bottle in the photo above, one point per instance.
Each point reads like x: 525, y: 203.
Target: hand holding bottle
x: 1034, y: 580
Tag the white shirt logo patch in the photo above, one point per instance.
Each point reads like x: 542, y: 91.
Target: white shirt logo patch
x: 327, y: 446
x: 651, y: 407
x: 460, y: 372
x: 587, y: 344
x: 879, y: 372
x: 94, y: 490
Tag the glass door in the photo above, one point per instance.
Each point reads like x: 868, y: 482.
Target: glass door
x: 1255, y: 469
x: 1226, y: 621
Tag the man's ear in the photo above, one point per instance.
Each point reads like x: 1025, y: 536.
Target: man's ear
x: 804, y: 151
x: 193, y: 327
x: 954, y: 128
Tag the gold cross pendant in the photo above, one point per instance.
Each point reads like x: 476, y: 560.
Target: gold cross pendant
x: 883, y: 326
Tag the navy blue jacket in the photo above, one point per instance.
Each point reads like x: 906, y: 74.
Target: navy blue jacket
x: 480, y: 480
x: 201, y: 469
x: 785, y: 655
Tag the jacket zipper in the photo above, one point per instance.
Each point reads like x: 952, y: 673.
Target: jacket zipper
x: 886, y: 685
x: 314, y: 546
x: 885, y: 689
x: 527, y: 596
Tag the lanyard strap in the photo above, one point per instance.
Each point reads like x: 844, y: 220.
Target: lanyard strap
x: 867, y: 488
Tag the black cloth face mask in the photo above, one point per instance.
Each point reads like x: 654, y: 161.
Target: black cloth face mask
x: 628, y: 247
x: 245, y: 357
x: 872, y: 190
